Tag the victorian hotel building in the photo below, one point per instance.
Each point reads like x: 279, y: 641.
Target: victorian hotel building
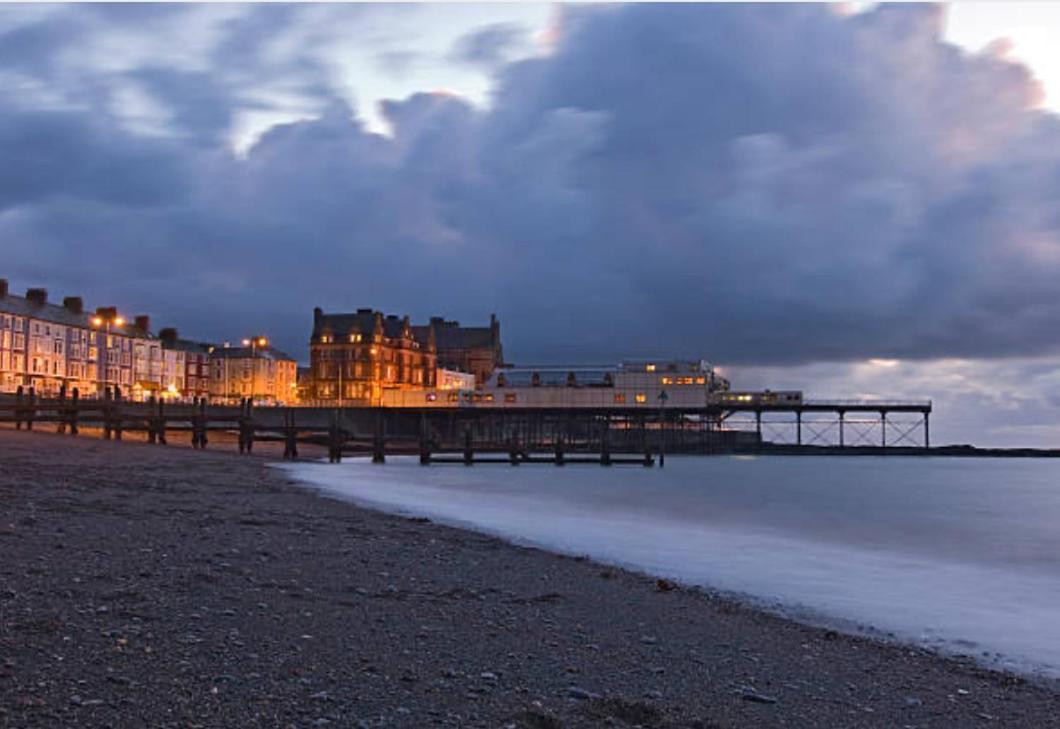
x: 46, y: 346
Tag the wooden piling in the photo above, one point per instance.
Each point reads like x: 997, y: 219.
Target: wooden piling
x: 74, y: 404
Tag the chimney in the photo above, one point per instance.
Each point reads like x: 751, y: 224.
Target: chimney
x: 364, y: 311
x: 73, y: 304
x: 168, y: 336
x: 317, y: 314
x: 3, y: 287
x: 107, y: 312
x: 143, y: 323
x: 38, y: 296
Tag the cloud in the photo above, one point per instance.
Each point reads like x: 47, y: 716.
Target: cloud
x: 492, y: 45
x: 755, y: 184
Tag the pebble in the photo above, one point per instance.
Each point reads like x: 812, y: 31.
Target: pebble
x: 579, y: 693
x: 757, y: 698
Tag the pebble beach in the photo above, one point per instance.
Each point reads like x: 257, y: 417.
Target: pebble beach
x: 164, y: 587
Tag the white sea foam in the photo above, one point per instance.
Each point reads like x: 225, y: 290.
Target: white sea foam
x: 959, y: 554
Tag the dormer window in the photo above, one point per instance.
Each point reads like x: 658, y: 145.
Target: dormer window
x: 355, y: 338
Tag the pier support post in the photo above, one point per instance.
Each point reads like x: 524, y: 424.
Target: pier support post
x: 927, y: 432
x: 798, y: 427
x: 161, y: 430
x: 204, y: 423
x: 32, y: 412
x: 117, y: 413
x: 469, y: 451
x: 60, y: 412
x: 425, y: 443
x: 758, y: 426
x: 105, y: 414
x: 151, y: 420
x: 379, y: 442
x: 19, y: 395
x: 559, y: 450
x: 290, y: 437
x: 249, y: 425
x: 605, y: 442
x: 883, y: 428
x: 841, y: 442
x: 73, y: 411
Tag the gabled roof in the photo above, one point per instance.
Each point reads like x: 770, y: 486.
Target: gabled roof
x: 186, y: 345
x: 55, y: 314
x: 362, y: 321
x: 448, y: 336
x: 250, y: 353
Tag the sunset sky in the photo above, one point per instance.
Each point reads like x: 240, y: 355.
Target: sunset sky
x: 852, y: 201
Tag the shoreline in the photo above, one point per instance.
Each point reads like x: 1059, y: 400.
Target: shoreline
x: 134, y: 580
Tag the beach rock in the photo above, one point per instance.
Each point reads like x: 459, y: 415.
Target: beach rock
x: 579, y: 693
x: 749, y: 694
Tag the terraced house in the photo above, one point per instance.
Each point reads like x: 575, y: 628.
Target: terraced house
x: 46, y: 346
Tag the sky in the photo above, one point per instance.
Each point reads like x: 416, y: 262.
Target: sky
x: 852, y: 200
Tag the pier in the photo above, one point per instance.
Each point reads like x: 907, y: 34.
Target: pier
x: 494, y: 432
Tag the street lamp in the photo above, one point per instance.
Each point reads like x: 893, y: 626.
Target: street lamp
x: 105, y: 323
x: 254, y: 343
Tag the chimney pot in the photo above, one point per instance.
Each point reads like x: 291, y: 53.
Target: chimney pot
x: 168, y: 335
x: 3, y: 287
x: 37, y: 296
x: 73, y: 304
x: 143, y: 323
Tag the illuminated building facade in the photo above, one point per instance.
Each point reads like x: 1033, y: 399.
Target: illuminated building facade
x: 465, y: 349
x: 256, y: 371
x: 185, y: 366
x: 354, y: 358
x: 46, y: 346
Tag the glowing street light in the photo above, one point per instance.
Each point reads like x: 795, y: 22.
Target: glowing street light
x: 105, y: 323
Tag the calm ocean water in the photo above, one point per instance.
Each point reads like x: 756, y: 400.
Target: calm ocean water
x: 958, y: 554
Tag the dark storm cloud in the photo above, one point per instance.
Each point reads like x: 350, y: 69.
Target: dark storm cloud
x: 750, y: 183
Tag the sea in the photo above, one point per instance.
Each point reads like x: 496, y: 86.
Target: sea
x: 960, y: 555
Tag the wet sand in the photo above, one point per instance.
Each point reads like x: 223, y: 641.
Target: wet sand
x: 150, y: 586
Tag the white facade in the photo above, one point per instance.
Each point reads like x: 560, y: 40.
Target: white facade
x: 631, y: 385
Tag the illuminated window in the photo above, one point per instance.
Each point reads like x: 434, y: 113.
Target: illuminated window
x: 701, y: 380
x: 684, y: 380
x: 355, y: 338
x: 509, y: 397
x: 620, y: 399
x: 649, y: 368
x: 641, y: 397
x: 668, y: 380
x: 431, y: 396
x: 453, y: 396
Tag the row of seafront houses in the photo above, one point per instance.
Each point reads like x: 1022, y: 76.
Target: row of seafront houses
x: 49, y: 346
x: 356, y: 359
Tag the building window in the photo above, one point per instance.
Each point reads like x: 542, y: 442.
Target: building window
x: 510, y: 397
x: 668, y: 380
x: 649, y: 368
x: 641, y: 397
x: 701, y: 380
x: 432, y: 396
x: 620, y: 399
